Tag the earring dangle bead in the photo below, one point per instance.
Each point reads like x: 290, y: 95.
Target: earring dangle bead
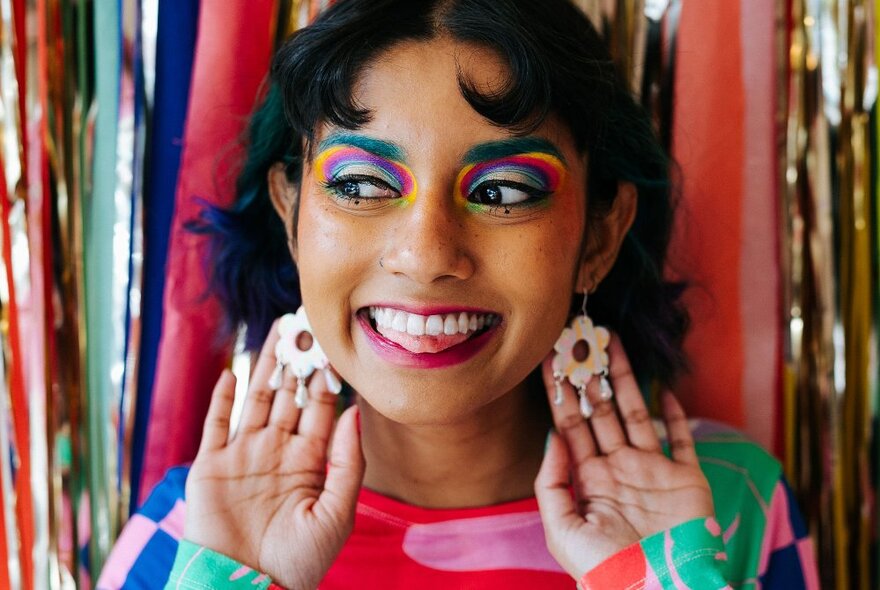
x: 581, y: 354
x: 298, y: 352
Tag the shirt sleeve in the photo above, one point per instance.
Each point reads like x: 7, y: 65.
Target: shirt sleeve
x: 199, y: 568
x: 690, y: 555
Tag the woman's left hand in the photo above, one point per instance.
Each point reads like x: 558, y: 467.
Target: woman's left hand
x: 605, y: 482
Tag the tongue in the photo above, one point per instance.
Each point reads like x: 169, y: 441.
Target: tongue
x: 423, y: 344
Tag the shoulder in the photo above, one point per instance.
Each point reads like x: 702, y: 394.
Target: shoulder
x: 144, y: 552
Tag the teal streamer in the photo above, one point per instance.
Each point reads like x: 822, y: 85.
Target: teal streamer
x: 98, y: 247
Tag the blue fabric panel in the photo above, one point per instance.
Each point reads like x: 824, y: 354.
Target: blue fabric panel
x: 154, y: 564
x: 784, y: 571
x: 178, y: 25
x: 165, y: 495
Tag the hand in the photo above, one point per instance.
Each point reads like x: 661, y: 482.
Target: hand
x: 605, y: 483
x: 266, y: 498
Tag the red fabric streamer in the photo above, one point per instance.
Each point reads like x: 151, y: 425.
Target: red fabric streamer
x: 724, y: 141
x: 24, y: 508
x: 231, y: 61
x: 19, y: 12
x: 708, y: 143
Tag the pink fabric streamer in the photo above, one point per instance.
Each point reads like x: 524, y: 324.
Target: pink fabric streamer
x: 232, y: 57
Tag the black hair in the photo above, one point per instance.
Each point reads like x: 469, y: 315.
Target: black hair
x: 558, y: 65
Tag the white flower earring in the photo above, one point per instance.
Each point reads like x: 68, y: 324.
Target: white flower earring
x: 298, y: 351
x: 581, y: 354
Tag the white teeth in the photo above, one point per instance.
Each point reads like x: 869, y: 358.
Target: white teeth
x: 450, y: 325
x: 434, y: 325
x: 399, y: 322
x: 415, y: 325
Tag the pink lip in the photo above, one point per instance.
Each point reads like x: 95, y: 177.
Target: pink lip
x: 397, y: 355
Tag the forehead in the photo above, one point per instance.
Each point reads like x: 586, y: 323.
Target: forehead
x: 413, y: 94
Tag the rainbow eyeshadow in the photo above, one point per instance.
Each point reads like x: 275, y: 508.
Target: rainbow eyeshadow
x: 338, y: 158
x: 541, y: 171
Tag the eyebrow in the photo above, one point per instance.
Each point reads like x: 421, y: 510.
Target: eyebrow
x: 377, y: 147
x: 515, y: 146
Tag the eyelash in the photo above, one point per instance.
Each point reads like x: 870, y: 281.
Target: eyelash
x: 334, y: 187
x: 536, y: 197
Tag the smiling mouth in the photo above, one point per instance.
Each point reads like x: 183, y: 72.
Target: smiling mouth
x: 428, y: 334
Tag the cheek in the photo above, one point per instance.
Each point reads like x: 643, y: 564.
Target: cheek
x: 535, y: 270
x: 330, y: 261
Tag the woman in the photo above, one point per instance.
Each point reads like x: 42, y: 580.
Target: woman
x: 456, y: 182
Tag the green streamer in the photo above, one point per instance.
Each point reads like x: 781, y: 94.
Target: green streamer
x: 98, y: 228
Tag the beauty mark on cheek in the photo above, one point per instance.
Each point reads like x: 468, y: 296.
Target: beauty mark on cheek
x: 337, y: 162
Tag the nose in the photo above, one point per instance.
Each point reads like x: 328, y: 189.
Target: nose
x: 428, y: 244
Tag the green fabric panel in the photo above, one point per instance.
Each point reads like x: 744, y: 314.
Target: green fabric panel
x: 694, y: 555
x: 743, y: 478
x: 698, y: 555
x: 197, y: 568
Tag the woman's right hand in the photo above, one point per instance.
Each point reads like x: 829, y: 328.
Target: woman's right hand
x: 268, y: 498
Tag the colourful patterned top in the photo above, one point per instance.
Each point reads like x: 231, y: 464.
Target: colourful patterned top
x: 757, y: 540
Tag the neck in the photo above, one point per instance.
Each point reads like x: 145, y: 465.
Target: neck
x: 489, y: 457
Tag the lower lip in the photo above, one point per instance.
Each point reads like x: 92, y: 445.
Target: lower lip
x: 397, y: 355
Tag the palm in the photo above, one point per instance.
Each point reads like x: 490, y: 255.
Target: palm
x: 625, y: 488
x: 651, y: 492
x: 265, y: 498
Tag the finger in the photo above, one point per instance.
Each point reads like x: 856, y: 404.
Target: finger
x: 260, y: 396
x: 567, y: 417
x: 607, y: 429
x: 636, y: 419
x: 681, y: 441
x: 552, y: 488
x: 345, y: 470
x: 285, y: 414
x: 317, y: 417
x: 216, y: 430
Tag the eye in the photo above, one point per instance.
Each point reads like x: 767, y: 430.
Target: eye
x: 506, y: 193
x: 359, y: 187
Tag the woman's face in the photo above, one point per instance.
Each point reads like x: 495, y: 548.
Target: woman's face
x: 437, y: 252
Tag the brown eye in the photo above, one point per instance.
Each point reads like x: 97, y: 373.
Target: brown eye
x: 489, y: 195
x: 353, y: 188
x: 506, y: 194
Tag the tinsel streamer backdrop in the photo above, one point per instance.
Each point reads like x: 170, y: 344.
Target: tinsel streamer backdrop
x: 119, y: 119
x: 828, y: 190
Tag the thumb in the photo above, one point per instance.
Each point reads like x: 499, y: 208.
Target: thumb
x: 346, y: 468
x: 553, y: 489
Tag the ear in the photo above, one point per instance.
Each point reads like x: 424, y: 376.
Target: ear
x: 606, y: 236
x: 284, y: 200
